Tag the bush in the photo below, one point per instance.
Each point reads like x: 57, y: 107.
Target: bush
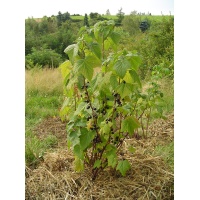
x: 104, y: 104
x: 131, y: 24
x: 45, y: 57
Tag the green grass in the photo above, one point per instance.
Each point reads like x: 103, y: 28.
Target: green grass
x: 106, y: 16
x: 167, y: 153
x: 35, y: 147
x: 167, y: 87
x: 43, y: 99
x: 38, y: 108
x: 77, y: 17
x: 42, y: 106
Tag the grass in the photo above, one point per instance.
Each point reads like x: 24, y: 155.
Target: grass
x: 167, y: 153
x: 44, y: 82
x: 44, y: 97
x: 167, y: 86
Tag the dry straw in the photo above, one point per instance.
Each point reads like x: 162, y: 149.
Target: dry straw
x: 44, y: 81
x: 149, y: 178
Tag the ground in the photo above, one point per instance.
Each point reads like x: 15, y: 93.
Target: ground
x: 150, y: 177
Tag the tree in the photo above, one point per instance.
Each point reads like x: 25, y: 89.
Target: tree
x: 120, y: 16
x: 108, y: 12
x: 66, y: 16
x: 62, y: 17
x: 43, y: 25
x: 86, y: 23
x: 133, y: 12
x: 93, y: 15
x: 59, y: 18
x: 131, y: 24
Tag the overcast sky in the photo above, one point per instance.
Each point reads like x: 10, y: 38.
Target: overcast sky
x: 40, y: 8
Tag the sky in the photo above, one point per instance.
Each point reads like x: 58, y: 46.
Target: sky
x: 40, y: 8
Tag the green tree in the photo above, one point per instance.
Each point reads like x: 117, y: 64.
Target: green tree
x: 32, y: 35
x: 85, y: 22
x: 59, y: 18
x: 43, y: 26
x: 120, y: 16
x: 94, y: 15
x: 131, y: 24
x: 66, y: 16
x: 108, y: 12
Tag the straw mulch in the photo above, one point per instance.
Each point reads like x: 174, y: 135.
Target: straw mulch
x: 148, y: 179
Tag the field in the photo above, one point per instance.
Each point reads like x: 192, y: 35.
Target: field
x: 114, y: 17
x: 82, y: 17
x: 49, y: 163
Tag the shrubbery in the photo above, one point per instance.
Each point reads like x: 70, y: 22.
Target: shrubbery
x: 43, y: 57
x: 155, y: 45
x: 104, y: 101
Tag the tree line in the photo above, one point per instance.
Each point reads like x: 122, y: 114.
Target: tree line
x: 47, y: 38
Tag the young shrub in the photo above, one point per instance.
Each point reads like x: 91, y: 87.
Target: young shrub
x: 100, y: 83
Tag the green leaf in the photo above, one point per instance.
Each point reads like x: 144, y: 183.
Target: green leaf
x: 134, y: 59
x: 65, y: 68
x: 135, y: 77
x: 130, y: 124
x: 131, y: 149
x: 78, y: 164
x: 121, y: 67
x: 97, y: 164
x: 111, y: 149
x: 95, y: 48
x: 73, y: 137
x: 123, y: 166
x: 112, y: 160
x: 124, y: 89
x: 80, y: 81
x: 78, y: 152
x: 85, y: 138
x: 106, y: 128
x: 115, y: 37
x: 105, y: 80
x: 123, y: 110
x: 103, y: 29
x: 128, y: 78
x: 72, y: 51
x: 113, y: 81
x: 81, y: 106
x: 85, y: 66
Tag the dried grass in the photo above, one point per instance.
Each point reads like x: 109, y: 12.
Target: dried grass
x: 44, y: 80
x: 148, y: 179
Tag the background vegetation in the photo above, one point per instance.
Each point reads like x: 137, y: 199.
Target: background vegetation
x: 46, y: 38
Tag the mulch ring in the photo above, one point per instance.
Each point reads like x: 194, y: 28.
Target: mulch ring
x: 148, y: 178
